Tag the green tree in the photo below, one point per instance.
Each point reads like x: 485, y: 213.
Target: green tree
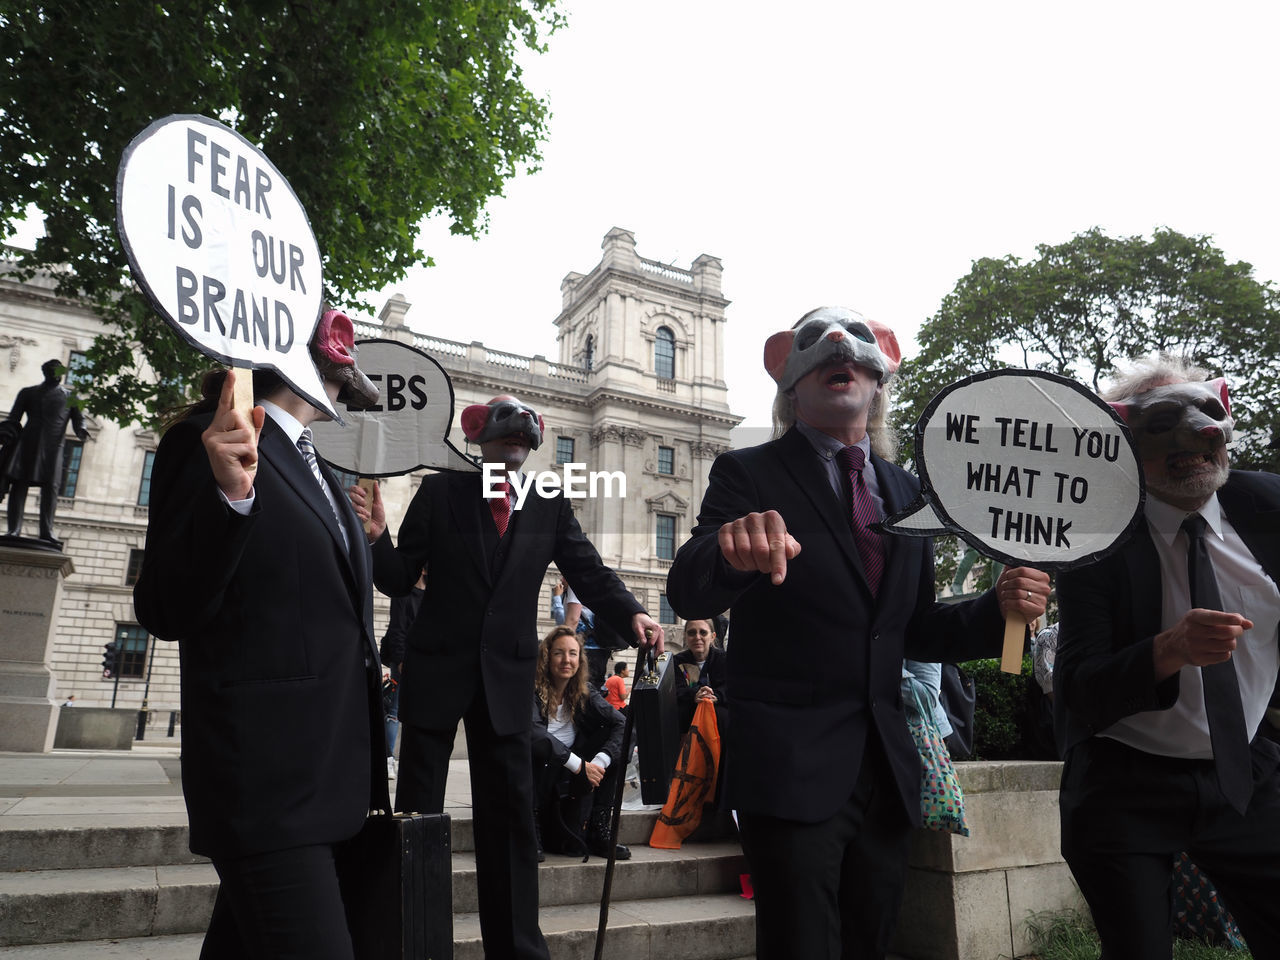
x: 378, y: 114
x: 1081, y: 307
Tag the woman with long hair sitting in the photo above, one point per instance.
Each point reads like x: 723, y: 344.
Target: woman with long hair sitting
x: 577, y: 743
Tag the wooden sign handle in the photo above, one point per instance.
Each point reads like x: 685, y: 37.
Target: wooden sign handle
x: 242, y: 392
x: 1014, y: 633
x: 367, y: 484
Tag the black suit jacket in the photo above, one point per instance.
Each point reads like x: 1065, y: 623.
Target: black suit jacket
x: 481, y: 602
x: 1110, y: 613
x: 815, y: 663
x: 282, y: 735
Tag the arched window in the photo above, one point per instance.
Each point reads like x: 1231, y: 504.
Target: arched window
x: 664, y: 354
x: 588, y: 355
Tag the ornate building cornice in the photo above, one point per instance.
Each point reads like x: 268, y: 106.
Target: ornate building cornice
x: 707, y: 449
x: 618, y: 432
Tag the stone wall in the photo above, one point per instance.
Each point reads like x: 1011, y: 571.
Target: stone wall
x: 969, y: 898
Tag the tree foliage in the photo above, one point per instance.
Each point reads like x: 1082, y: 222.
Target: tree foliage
x: 378, y: 114
x: 1083, y: 307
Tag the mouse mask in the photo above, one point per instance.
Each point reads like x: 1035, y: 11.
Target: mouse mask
x: 1179, y: 418
x: 501, y: 416
x: 333, y: 348
x: 831, y: 334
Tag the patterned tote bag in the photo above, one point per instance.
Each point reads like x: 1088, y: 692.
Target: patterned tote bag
x: 941, y: 800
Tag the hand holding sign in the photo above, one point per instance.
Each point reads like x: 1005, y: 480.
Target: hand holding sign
x: 366, y: 501
x: 222, y: 247
x: 231, y: 442
x: 1029, y: 468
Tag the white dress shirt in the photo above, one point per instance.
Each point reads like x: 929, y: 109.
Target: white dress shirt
x: 1183, y: 729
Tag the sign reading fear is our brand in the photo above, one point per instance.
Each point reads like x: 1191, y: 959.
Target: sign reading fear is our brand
x: 222, y: 247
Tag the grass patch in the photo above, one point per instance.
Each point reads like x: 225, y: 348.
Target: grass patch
x: 1070, y: 936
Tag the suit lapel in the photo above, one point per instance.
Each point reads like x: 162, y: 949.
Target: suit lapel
x: 805, y: 466
x: 287, y: 459
x: 1257, y: 525
x: 897, y: 492
x: 1143, y: 565
x: 465, y: 503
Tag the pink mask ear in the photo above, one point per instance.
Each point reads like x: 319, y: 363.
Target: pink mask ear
x: 1121, y: 409
x: 1220, y: 384
x: 542, y: 428
x: 776, y: 350
x: 888, y: 343
x: 474, y: 418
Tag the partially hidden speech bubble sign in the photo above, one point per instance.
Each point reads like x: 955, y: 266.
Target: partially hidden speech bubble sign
x: 1028, y: 467
x: 409, y: 426
x: 222, y: 247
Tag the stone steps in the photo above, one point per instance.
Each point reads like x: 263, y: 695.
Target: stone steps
x: 138, y: 885
x: 706, y: 927
x: 187, y: 947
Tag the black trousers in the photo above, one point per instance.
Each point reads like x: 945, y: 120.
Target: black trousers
x: 282, y: 905
x: 18, y: 503
x: 597, y: 666
x: 832, y: 889
x: 501, y: 797
x: 1126, y: 814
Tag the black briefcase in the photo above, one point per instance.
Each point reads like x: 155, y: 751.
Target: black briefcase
x: 653, y: 705
x: 400, y: 905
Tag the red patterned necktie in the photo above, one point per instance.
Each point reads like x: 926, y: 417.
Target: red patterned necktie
x: 870, y: 544
x: 500, y: 507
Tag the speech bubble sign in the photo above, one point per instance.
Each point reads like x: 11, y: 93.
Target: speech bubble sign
x: 409, y: 426
x: 1028, y: 467
x: 222, y: 248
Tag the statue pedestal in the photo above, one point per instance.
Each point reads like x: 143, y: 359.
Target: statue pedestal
x: 30, y: 593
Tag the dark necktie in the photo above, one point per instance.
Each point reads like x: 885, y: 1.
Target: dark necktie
x: 500, y: 507
x: 1227, y: 730
x: 870, y: 544
x: 308, y: 451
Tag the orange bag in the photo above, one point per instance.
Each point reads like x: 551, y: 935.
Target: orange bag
x: 693, y: 784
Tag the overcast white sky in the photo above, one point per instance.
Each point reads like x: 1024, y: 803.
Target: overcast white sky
x: 865, y: 153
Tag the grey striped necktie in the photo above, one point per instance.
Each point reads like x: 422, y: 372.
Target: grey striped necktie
x: 308, y: 451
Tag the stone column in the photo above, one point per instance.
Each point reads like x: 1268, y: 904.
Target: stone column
x: 30, y: 594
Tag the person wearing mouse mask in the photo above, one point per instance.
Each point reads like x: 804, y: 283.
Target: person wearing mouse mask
x: 473, y: 658
x: 256, y: 566
x: 821, y: 767
x: 1166, y: 660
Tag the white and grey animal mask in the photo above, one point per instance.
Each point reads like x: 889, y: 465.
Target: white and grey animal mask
x: 831, y: 334
x: 1179, y: 418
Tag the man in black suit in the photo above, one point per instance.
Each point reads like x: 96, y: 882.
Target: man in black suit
x: 472, y: 652
x: 821, y: 767
x: 1167, y: 657
x: 263, y: 579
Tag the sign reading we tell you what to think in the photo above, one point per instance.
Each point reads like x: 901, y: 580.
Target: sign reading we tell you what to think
x: 223, y: 248
x: 1028, y: 467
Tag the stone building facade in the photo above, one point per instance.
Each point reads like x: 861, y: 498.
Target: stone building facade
x: 637, y: 386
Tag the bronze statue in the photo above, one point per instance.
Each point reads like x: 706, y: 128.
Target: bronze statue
x: 33, y: 454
